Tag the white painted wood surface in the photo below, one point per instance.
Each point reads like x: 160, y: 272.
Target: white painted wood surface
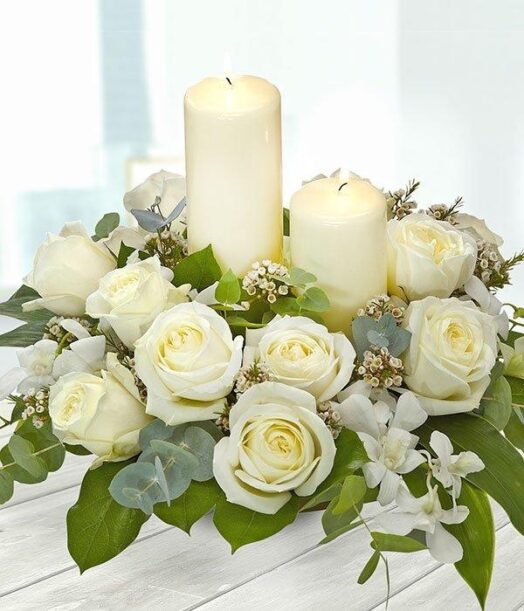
x: 166, y: 569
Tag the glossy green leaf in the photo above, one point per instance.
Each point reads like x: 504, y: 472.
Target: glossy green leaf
x: 370, y: 568
x: 228, y: 289
x: 200, y: 270
x: 240, y: 526
x: 323, y: 496
x: 496, y: 403
x: 517, y: 392
x: 477, y: 537
x: 514, y: 429
x: 13, y: 306
x: 352, y: 492
x: 196, y: 502
x: 98, y: 528
x: 123, y: 255
x: 25, y: 335
x: 503, y: 475
x: 395, y: 543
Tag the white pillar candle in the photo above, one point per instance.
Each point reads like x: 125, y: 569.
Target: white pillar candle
x: 338, y: 232
x: 234, y: 169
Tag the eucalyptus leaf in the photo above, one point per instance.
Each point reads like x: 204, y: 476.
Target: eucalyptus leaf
x: 106, y: 225
x: 176, y: 212
x: 314, y: 299
x: 156, y: 430
x: 200, y: 269
x: 6, y: 486
x: 299, y: 277
x: 23, y: 454
x: 26, y: 335
x: 148, y: 220
x: 382, y: 333
x: 286, y: 306
x: 136, y: 486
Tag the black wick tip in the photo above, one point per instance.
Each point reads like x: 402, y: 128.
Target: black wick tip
x: 342, y: 185
x: 229, y: 80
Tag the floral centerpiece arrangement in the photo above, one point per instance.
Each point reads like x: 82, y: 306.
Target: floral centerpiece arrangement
x: 197, y: 391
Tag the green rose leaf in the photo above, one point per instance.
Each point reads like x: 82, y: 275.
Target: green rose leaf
x: 196, y: 502
x: 123, y: 255
x: 200, y: 270
x: 477, y: 537
x: 13, y: 306
x: 228, y: 289
x: 99, y: 528
x: 495, y: 405
x: 106, y: 225
x: 240, y: 526
x: 502, y: 476
x: 314, y: 300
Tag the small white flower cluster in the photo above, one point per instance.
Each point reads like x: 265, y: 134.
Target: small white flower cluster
x: 37, y: 403
x: 380, y: 369
x: 330, y: 416
x: 489, y: 261
x: 264, y: 280
x: 248, y: 376
x: 55, y: 331
x: 380, y: 305
x: 443, y: 212
x: 169, y: 246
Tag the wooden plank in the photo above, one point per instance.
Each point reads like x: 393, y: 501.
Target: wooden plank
x: 169, y: 566
x: 326, y: 577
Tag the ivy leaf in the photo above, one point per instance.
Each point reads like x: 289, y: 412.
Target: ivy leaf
x: 228, y: 289
x: 200, y: 269
x: 99, y: 528
x: 240, y: 526
x: 477, y: 537
x: 196, y: 502
x: 106, y: 225
x: 314, y: 299
x: 495, y: 405
x: 502, y: 476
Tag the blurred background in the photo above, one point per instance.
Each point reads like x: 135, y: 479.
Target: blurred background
x: 92, y: 100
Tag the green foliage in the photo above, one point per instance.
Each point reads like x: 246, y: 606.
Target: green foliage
x: 285, y: 221
x: 351, y: 493
x: 98, y: 528
x: 13, y: 306
x: 240, y: 526
x: 502, y: 478
x: 395, y: 543
x: 172, y: 457
x: 24, y: 455
x: 477, y: 537
x: 335, y: 525
x: 123, y: 255
x: 496, y: 402
x: 200, y: 270
x: 370, y: 568
x: 24, y: 336
x: 6, y: 486
x: 196, y: 502
x: 313, y: 299
x: 299, y: 278
x: 382, y: 333
x: 228, y: 289
x: 514, y: 429
x: 106, y: 225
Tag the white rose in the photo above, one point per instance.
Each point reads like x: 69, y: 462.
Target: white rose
x: 302, y: 353
x: 188, y: 360
x: 129, y: 299
x: 66, y: 269
x: 278, y: 444
x: 478, y: 228
x: 428, y: 257
x: 452, y: 351
x: 169, y: 187
x: 99, y: 414
x: 130, y: 236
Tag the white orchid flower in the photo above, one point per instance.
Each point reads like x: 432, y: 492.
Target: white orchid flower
x: 387, y: 439
x: 425, y: 513
x: 475, y: 289
x: 363, y: 388
x: 449, y: 468
x: 35, y: 370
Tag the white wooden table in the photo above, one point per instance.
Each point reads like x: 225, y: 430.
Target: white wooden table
x: 166, y: 569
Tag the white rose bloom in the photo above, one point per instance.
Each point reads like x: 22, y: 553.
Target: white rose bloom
x: 35, y: 370
x: 99, y: 414
x: 66, y: 269
x: 129, y: 299
x: 301, y: 353
x: 130, y: 236
x: 171, y: 188
x: 452, y: 351
x: 188, y: 360
x: 278, y: 444
x: 478, y: 228
x: 428, y: 257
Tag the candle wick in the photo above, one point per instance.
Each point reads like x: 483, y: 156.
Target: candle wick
x: 229, y: 80
x: 342, y: 185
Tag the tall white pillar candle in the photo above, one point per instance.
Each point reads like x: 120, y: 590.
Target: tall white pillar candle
x: 338, y: 232
x: 234, y: 169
